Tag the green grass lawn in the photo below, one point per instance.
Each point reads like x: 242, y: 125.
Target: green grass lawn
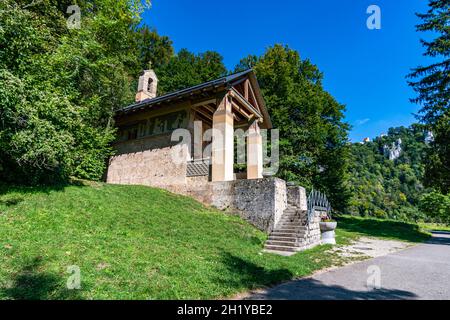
x: 351, y: 227
x: 134, y: 242
x: 434, y: 227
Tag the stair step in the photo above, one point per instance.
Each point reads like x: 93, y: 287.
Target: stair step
x: 284, y: 217
x: 290, y: 220
x: 283, y: 234
x: 293, y: 228
x: 296, y: 227
x: 291, y: 217
x: 289, y: 233
x: 282, y: 238
x: 280, y: 253
x: 293, y: 222
x: 280, y: 243
x: 280, y: 248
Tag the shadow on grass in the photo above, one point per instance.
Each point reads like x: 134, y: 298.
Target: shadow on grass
x: 13, y: 189
x: 11, y: 201
x: 32, y: 284
x: 311, y: 289
x: 250, y: 275
x: 382, y: 228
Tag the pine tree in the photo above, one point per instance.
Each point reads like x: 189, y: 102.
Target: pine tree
x: 433, y: 89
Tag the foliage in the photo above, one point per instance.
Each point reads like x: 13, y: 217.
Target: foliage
x: 381, y: 228
x: 187, y: 69
x: 59, y: 86
x: 389, y: 188
x: 433, y: 89
x: 313, y: 136
x: 154, y: 50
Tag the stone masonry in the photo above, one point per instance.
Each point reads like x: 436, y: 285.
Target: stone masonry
x: 147, y: 161
x: 268, y: 204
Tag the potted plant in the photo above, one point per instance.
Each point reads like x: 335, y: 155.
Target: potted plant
x: 327, y: 228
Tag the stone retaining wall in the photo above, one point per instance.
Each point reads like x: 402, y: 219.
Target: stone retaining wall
x: 313, y: 236
x: 259, y: 201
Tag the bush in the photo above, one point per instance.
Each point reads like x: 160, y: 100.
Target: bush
x: 436, y: 206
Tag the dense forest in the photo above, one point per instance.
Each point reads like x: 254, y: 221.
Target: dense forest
x: 60, y: 86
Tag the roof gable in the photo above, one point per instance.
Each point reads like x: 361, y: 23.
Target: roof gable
x: 244, y: 83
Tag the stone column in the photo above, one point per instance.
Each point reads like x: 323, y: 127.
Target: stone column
x: 254, y: 152
x: 223, y: 142
x: 198, y: 140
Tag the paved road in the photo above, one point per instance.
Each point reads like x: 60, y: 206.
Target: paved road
x: 420, y: 272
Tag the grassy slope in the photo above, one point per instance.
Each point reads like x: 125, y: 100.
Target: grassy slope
x: 134, y: 242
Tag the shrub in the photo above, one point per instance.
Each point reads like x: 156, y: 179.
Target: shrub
x: 436, y: 206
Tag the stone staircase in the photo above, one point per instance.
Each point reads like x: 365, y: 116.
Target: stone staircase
x: 292, y: 233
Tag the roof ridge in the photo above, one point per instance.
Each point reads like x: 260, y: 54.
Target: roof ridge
x: 224, y: 79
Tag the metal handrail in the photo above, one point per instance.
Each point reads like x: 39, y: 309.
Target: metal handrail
x: 317, y: 200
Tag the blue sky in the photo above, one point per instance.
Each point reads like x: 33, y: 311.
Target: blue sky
x: 364, y: 69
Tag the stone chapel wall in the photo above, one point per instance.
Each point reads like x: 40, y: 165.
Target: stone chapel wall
x: 147, y: 161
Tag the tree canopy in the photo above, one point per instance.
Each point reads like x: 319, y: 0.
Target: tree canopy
x: 187, y: 69
x: 60, y: 86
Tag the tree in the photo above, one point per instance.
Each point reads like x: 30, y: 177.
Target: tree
x: 436, y: 206
x: 433, y: 89
x: 153, y: 49
x: 313, y: 136
x: 59, y: 87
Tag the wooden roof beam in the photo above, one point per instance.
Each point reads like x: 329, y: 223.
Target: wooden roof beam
x: 203, y: 103
x: 235, y: 94
x: 240, y: 110
x: 204, y: 113
x: 246, y: 88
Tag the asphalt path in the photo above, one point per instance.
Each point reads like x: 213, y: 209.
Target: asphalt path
x: 418, y: 272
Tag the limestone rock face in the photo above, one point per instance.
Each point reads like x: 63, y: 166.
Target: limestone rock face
x: 429, y: 138
x: 394, y: 151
